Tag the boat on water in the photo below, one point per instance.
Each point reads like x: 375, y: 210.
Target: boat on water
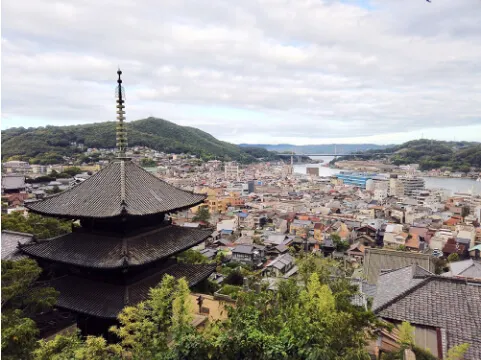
x: 478, y: 179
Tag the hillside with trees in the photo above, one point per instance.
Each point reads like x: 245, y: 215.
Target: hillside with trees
x: 309, y: 319
x: 50, y: 144
x: 318, y: 149
x: 429, y: 154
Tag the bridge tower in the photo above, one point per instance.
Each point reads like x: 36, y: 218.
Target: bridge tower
x: 291, y: 167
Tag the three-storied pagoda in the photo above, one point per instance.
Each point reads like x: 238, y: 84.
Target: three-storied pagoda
x: 125, y: 244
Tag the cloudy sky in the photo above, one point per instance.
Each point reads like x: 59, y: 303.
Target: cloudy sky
x: 254, y: 71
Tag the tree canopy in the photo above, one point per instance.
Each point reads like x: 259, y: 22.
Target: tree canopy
x: 429, y: 154
x: 311, y: 320
x: 202, y: 215
x: 48, y: 145
x: 21, y: 299
x: 42, y: 227
x: 148, y: 162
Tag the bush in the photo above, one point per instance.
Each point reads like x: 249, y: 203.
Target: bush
x: 422, y: 354
x: 453, y: 257
x: 230, y: 290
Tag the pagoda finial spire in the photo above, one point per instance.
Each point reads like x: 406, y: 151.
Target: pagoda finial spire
x: 121, y: 132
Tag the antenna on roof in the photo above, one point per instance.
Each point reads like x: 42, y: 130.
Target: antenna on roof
x: 121, y: 132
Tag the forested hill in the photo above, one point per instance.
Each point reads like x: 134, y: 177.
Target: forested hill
x: 320, y: 148
x: 45, y: 144
x: 431, y: 154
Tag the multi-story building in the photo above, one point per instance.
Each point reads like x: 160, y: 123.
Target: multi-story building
x: 313, y: 171
x: 356, y: 179
x: 396, y: 186
x: 14, y: 166
x: 412, y: 184
x: 231, y: 170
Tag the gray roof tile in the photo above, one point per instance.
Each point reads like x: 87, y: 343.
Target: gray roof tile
x: 110, y: 252
x: 106, y: 300
x: 120, y: 188
x: 391, y: 284
x: 440, y: 302
x: 376, y: 260
x: 10, y: 241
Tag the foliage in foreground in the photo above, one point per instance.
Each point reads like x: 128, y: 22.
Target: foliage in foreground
x: 314, y: 321
x: 42, y: 227
x: 406, y: 338
x: 21, y: 299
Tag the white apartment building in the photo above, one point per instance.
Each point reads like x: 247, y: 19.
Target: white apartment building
x: 412, y: 184
x: 231, y: 170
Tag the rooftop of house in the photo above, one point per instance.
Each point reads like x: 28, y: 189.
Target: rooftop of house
x: 13, y: 182
x: 282, y: 261
x: 466, y: 268
x: 356, y: 247
x: 403, y: 278
x: 378, y: 259
x: 276, y: 239
x: 247, y: 249
x: 448, y: 304
x: 10, y: 242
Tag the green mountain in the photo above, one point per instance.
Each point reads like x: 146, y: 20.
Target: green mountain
x: 319, y: 149
x: 49, y: 144
x: 430, y: 154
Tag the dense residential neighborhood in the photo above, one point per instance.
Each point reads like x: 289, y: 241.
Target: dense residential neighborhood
x: 413, y: 252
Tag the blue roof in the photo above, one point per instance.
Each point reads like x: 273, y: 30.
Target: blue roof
x: 242, y: 214
x: 226, y: 231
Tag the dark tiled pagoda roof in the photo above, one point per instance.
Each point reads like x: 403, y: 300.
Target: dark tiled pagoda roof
x: 100, y: 251
x: 121, y: 188
x: 106, y: 300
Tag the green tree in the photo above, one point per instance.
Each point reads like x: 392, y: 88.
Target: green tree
x: 73, y: 347
x: 465, y: 211
x: 406, y: 335
x: 311, y: 321
x: 42, y: 227
x: 202, y: 215
x: 309, y: 264
x: 341, y: 245
x: 457, y: 352
x: 145, y: 162
x: 402, y: 248
x: 22, y: 298
x: 72, y: 171
x: 192, y: 257
x: 453, y: 257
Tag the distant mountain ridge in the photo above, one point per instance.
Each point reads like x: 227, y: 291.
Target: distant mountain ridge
x: 319, y: 149
x: 53, y: 142
x: 429, y: 154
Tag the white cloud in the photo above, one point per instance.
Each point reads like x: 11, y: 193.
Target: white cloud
x: 303, y: 67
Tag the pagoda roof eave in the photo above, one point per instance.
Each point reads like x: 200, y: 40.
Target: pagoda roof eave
x: 120, y: 189
x: 110, y: 253
x: 119, y: 215
x: 106, y: 301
